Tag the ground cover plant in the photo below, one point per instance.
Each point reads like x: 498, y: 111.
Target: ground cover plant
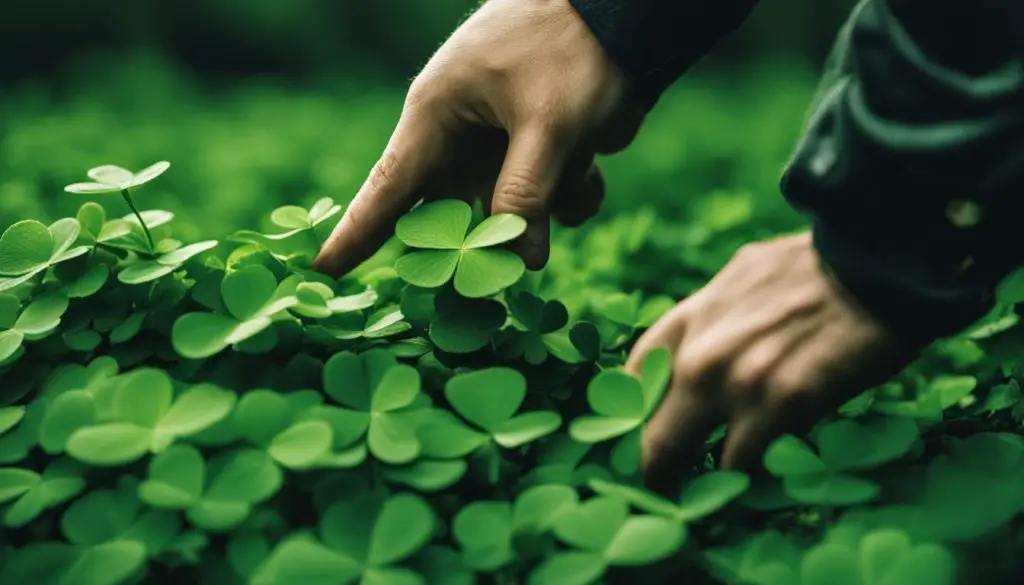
x: 217, y: 412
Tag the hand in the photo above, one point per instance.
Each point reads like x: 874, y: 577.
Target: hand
x: 511, y: 110
x: 769, y: 346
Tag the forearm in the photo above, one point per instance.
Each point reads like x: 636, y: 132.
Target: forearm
x: 656, y: 41
x: 913, y: 163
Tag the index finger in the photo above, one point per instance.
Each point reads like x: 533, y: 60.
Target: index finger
x: 414, y: 150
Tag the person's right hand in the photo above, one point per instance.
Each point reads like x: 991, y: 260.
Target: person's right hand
x: 511, y: 110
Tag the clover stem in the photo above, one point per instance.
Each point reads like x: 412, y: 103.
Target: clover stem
x: 131, y: 205
x: 493, y: 464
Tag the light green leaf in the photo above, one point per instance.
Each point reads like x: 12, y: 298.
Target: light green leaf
x: 149, y: 173
x: 527, y: 428
x: 198, y: 408
x: 176, y: 478
x: 448, y: 438
x: 398, y: 389
x: 405, y: 524
x: 245, y: 291
x: 391, y: 440
x: 112, y: 175
x: 596, y: 429
x: 616, y: 394
x: 10, y: 416
x: 539, y: 507
x: 10, y: 343
x: 569, y: 568
x: 484, y: 272
x: 302, y: 445
x: 24, y: 246
x: 440, y: 225
x: 67, y: 413
x: 709, y: 493
x: 484, y: 532
x: 178, y: 257
x: 300, y: 560
x: 788, y: 455
x: 14, y: 482
x: 487, y: 398
x: 428, y: 476
x: 592, y: 525
x: 290, y: 217
x: 110, y: 444
x: 428, y: 268
x: 42, y: 315
x: 496, y: 229
x: 249, y: 476
x: 144, y: 397
x: 644, y: 540
x: 201, y: 335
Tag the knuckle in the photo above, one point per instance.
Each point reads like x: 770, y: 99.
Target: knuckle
x: 520, y: 194
x: 701, y: 369
x: 383, y: 172
x: 789, y: 391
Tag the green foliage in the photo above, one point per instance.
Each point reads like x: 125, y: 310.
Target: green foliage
x: 216, y: 412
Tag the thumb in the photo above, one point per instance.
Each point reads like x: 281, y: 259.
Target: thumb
x: 532, y: 169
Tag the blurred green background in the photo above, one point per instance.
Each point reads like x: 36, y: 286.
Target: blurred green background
x: 258, y: 103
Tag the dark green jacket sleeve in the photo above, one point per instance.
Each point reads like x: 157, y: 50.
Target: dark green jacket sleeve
x: 656, y: 41
x: 912, y: 166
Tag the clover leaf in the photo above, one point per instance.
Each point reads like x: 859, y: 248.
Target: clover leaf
x: 30, y: 493
x: 440, y: 230
x: 378, y: 399
x: 537, y: 320
x: 489, y: 400
x: 465, y: 325
x: 179, y: 479
x: 361, y: 539
x: 622, y: 404
x: 845, y: 445
x: 605, y: 535
x: 39, y: 319
x: 486, y: 531
x: 115, y: 179
x: 883, y: 557
x: 28, y: 248
x: 274, y: 422
x: 251, y: 302
x: 701, y: 497
x: 766, y: 558
x: 318, y: 301
x: 148, y: 270
x: 144, y: 416
x: 297, y: 219
x: 350, y: 326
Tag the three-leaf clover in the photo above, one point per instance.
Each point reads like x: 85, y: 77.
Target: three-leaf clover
x: 115, y: 179
x: 884, y: 556
x: 28, y: 248
x: 489, y: 400
x: 622, y: 404
x: 250, y: 302
x: 701, y: 497
x: 379, y: 399
x: 464, y: 325
x: 179, y: 479
x: 295, y: 220
x: 362, y: 540
x: 605, y: 535
x: 536, y: 320
x: 845, y: 445
x: 39, y: 319
x: 440, y: 229
x: 136, y: 415
x: 486, y: 531
x: 273, y: 421
x: 31, y: 493
x: 150, y: 269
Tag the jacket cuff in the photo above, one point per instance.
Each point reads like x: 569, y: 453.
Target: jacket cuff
x: 656, y: 41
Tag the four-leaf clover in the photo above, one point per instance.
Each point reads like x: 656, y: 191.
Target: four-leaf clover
x: 440, y: 230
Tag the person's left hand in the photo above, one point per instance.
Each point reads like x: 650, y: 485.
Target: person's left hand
x: 769, y: 346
